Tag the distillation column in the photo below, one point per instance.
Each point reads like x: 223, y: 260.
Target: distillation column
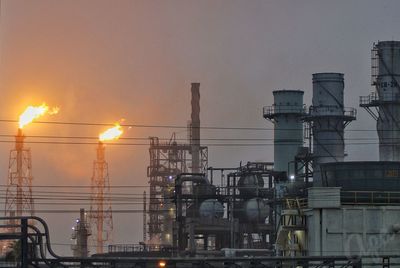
x: 328, y: 118
x: 80, y: 234
x: 386, y: 99
x: 286, y: 114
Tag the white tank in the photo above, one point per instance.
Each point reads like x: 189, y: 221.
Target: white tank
x: 211, y: 208
x: 286, y: 113
x: 255, y: 210
x: 249, y: 185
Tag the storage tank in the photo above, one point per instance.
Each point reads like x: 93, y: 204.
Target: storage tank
x: 203, y: 190
x: 211, y: 208
x: 255, y: 210
x: 364, y: 177
x: 286, y: 113
x: 329, y: 118
x: 250, y: 184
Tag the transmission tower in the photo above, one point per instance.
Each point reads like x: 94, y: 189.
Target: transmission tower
x: 19, y: 199
x: 100, y: 215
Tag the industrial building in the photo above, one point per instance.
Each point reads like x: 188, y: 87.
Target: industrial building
x: 310, y: 201
x: 167, y: 160
x: 308, y: 208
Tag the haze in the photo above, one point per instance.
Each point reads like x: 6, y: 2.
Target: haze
x: 101, y: 61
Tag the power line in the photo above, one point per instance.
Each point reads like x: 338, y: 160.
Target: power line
x: 168, y: 139
x: 82, y: 186
x: 133, y: 125
x: 35, y: 192
x: 208, y: 145
x: 158, y: 126
x: 122, y: 211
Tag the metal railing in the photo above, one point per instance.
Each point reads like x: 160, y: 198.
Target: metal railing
x: 315, y: 111
x: 296, y: 203
x: 374, y: 98
x: 271, y: 111
x: 369, y: 198
x: 125, y: 248
x: 367, y: 100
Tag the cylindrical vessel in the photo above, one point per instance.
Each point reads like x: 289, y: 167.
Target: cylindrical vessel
x: 255, y: 210
x: 288, y: 127
x: 250, y: 184
x: 387, y: 87
x: 327, y: 112
x: 195, y: 129
x: 388, y: 70
x: 211, y: 208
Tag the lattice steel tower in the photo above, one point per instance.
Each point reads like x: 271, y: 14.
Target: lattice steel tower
x: 168, y: 159
x: 19, y: 199
x: 100, y: 215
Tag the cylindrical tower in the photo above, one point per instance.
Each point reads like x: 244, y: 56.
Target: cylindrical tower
x: 286, y: 114
x: 328, y: 119
x: 387, y: 88
x: 195, y: 116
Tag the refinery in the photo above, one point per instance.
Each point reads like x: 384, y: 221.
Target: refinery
x: 307, y: 208
x: 308, y: 200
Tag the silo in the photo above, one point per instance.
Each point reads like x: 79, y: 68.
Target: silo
x: 286, y: 114
x: 386, y: 99
x: 328, y: 119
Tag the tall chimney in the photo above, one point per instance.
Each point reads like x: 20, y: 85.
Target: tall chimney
x: 286, y: 114
x: 195, y: 129
x: 386, y: 98
x: 329, y: 117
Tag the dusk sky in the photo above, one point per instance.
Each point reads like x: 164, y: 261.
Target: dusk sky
x: 104, y: 60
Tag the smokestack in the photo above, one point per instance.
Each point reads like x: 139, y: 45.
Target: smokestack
x: 329, y: 118
x: 286, y: 115
x: 386, y: 99
x: 195, y: 129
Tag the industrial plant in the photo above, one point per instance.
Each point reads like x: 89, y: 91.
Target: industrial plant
x: 307, y: 208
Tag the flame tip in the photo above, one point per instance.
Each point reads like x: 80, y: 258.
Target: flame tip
x: 33, y: 112
x: 112, y: 133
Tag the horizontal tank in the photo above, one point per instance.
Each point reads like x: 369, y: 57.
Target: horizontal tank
x: 211, y: 208
x: 249, y: 185
x: 362, y: 175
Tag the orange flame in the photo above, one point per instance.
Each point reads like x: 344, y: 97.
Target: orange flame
x: 111, y: 133
x: 33, y: 112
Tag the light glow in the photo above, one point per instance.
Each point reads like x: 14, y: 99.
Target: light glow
x: 34, y: 112
x: 112, y: 133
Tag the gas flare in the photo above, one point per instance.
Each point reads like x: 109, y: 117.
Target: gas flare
x: 33, y: 112
x: 111, y: 133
